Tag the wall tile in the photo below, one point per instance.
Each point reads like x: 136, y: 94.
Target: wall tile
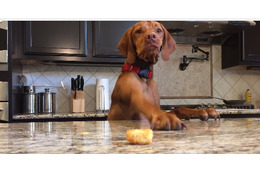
x: 228, y: 84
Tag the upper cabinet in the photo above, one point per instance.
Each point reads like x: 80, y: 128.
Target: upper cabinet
x: 251, y: 43
x: 69, y: 41
x: 55, y: 38
x: 106, y: 35
x: 242, y: 49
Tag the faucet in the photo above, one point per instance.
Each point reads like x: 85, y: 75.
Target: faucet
x: 187, y: 60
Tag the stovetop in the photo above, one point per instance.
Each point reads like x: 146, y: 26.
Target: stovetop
x: 225, y: 111
x: 216, y: 106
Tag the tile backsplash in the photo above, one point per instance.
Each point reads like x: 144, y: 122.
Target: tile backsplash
x: 227, y: 84
x: 50, y: 76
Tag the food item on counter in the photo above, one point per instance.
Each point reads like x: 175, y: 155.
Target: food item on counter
x: 139, y: 136
x: 248, y: 96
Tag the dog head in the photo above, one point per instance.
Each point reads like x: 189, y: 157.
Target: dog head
x: 146, y: 40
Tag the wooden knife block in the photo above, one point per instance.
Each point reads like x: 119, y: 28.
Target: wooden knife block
x: 77, y: 104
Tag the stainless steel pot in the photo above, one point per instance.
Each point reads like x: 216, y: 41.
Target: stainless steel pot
x: 28, y: 89
x: 47, y: 101
x: 29, y: 100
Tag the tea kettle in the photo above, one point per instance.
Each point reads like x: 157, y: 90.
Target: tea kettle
x: 102, y: 95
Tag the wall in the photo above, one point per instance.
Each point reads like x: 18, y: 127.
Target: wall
x: 227, y: 84
x: 194, y: 81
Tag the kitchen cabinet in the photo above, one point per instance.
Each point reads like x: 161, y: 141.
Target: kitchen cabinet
x: 242, y: 49
x: 55, y: 38
x: 90, y: 42
x: 106, y: 35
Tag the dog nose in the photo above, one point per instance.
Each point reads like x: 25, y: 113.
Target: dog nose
x: 151, y: 36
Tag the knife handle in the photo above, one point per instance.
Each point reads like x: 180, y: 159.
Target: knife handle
x: 82, y: 83
x: 79, y: 82
x: 76, y: 84
x: 72, y: 84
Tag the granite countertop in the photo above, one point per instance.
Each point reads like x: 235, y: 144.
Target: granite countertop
x: 60, y: 115
x: 222, y: 136
x: 238, y: 111
x: 104, y: 115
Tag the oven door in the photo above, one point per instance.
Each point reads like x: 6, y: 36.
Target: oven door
x: 3, y: 46
x: 4, y: 111
x: 4, y: 101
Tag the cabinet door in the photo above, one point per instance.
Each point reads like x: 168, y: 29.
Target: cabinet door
x: 106, y: 35
x: 55, y: 38
x: 251, y: 44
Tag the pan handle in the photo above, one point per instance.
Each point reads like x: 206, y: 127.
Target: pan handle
x: 218, y: 98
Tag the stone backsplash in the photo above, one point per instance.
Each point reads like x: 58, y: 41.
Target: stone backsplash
x: 227, y: 84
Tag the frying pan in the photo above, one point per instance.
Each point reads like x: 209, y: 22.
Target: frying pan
x: 231, y: 102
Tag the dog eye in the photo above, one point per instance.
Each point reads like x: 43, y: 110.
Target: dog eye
x: 159, y: 30
x: 138, y: 31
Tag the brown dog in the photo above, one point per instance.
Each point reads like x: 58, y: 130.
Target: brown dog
x: 135, y: 96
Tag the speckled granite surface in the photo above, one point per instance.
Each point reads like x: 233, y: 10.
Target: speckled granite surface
x: 99, y: 115
x: 224, y: 136
x: 59, y: 115
x: 238, y: 111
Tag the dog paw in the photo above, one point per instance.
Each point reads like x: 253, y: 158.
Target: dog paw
x: 205, y: 114
x: 212, y: 113
x: 176, y: 123
x: 167, y: 121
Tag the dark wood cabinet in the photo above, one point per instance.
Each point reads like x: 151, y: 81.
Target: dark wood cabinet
x: 90, y: 42
x: 242, y: 49
x: 251, y: 43
x: 106, y: 35
x: 56, y: 38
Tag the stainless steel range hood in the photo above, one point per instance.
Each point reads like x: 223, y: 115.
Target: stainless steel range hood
x: 204, y: 32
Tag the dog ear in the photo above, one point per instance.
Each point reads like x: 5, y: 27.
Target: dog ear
x: 168, y: 46
x: 126, y: 47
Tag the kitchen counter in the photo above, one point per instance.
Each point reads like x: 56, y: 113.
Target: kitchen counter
x: 221, y: 136
x: 60, y: 116
x: 103, y: 116
x: 238, y: 111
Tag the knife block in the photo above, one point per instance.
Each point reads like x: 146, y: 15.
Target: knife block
x: 77, y: 103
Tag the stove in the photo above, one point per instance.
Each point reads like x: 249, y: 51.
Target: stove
x: 215, y: 106
x: 225, y: 111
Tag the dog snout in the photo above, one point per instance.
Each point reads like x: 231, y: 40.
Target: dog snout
x: 151, y: 37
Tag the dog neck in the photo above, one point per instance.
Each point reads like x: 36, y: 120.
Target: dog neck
x: 142, y: 68
x: 143, y: 64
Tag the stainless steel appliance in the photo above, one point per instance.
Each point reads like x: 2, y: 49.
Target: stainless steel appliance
x: 227, y: 110
x: 3, y: 46
x: 4, y: 74
x: 204, y: 32
x: 4, y: 99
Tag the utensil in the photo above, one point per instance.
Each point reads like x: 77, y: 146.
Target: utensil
x: 72, y: 84
x: 82, y: 83
x: 62, y: 84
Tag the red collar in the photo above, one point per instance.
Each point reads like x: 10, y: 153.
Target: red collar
x: 141, y: 72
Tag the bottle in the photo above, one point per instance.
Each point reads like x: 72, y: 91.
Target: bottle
x: 248, y: 96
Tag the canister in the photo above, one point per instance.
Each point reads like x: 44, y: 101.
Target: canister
x: 47, y: 101
x: 30, y: 100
